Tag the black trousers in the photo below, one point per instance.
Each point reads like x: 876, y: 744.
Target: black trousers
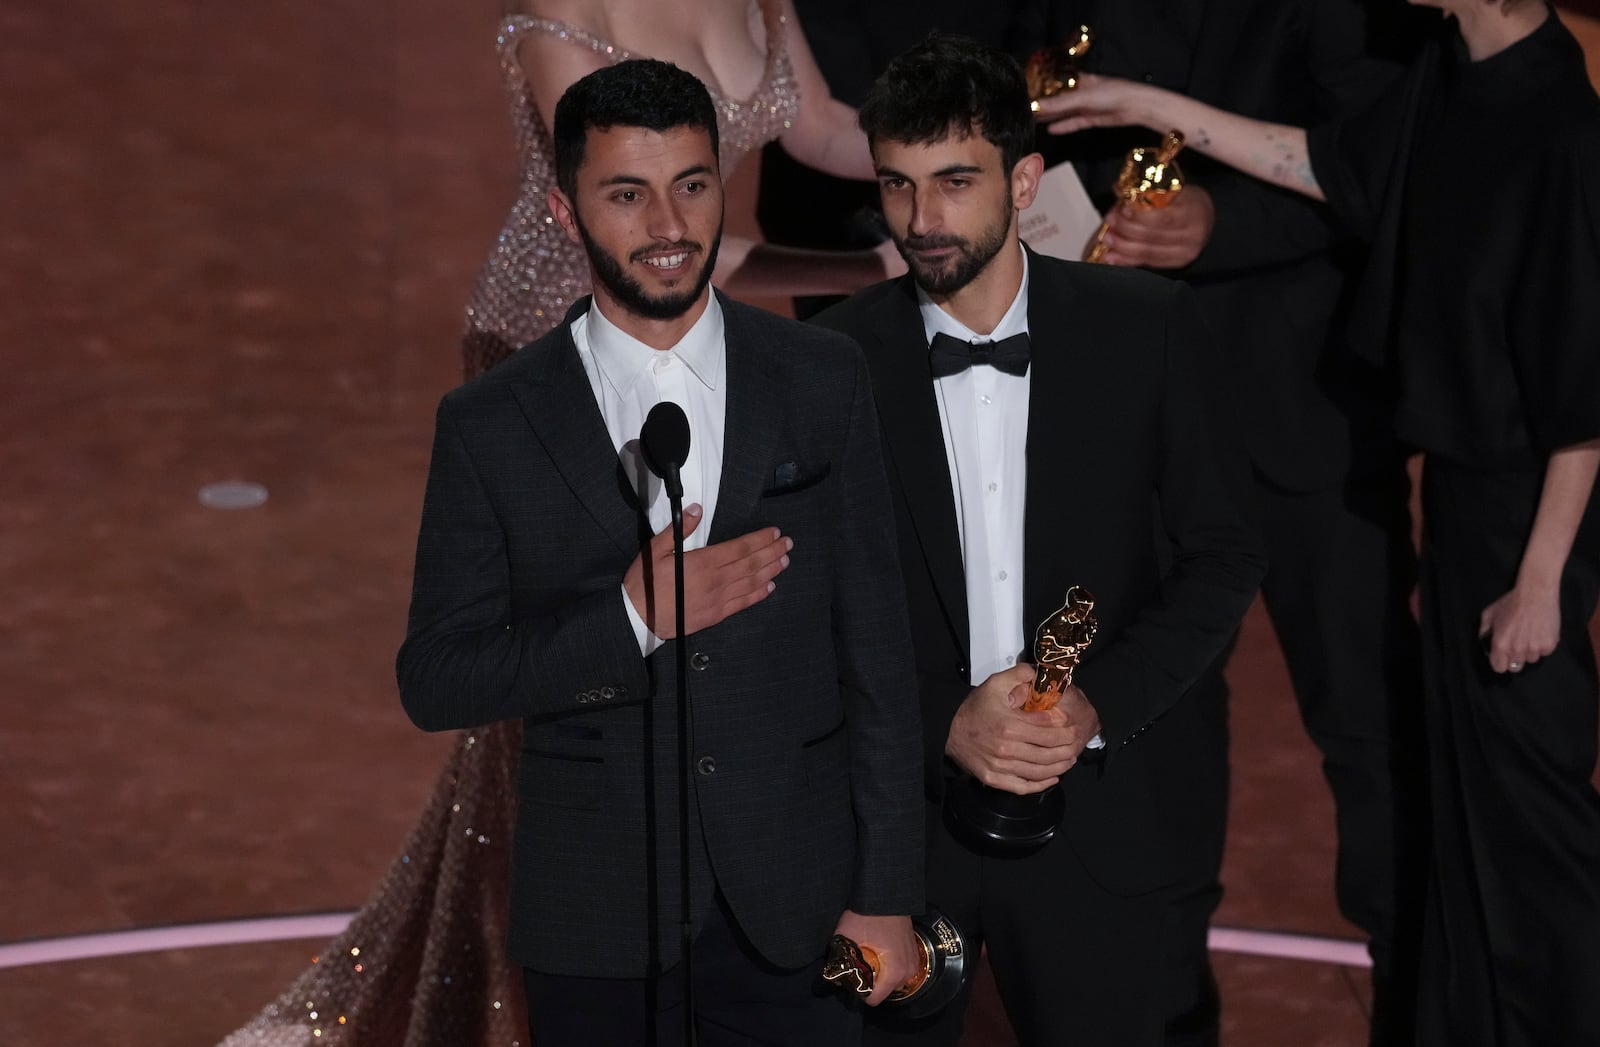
x: 1511, y: 948
x: 1073, y: 963
x: 739, y: 1000
x: 1338, y: 594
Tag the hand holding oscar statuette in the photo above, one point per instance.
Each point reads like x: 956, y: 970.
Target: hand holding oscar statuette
x: 992, y: 819
x: 1150, y: 177
x: 852, y: 967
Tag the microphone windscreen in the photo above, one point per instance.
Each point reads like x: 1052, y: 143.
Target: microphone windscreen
x: 665, y: 438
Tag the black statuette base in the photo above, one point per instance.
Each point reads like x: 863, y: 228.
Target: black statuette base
x: 991, y: 819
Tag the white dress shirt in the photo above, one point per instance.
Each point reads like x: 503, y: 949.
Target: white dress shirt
x: 984, y: 415
x: 628, y: 378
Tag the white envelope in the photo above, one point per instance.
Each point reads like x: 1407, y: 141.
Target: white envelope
x: 1062, y: 219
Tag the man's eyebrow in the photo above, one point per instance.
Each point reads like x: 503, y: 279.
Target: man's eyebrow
x: 627, y: 179
x: 943, y: 172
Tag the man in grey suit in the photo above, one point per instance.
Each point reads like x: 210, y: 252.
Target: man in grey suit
x: 544, y: 591
x: 1047, y: 424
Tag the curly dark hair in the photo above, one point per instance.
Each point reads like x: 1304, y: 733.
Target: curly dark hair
x: 641, y: 92
x: 950, y: 84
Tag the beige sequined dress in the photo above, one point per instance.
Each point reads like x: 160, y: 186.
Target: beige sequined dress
x: 422, y: 963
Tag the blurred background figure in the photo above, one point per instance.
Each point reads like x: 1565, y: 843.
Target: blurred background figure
x: 1474, y: 180
x: 1270, y: 269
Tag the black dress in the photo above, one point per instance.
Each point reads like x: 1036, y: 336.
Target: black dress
x: 1479, y: 186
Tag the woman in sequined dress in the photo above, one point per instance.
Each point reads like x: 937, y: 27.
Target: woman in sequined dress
x: 422, y: 964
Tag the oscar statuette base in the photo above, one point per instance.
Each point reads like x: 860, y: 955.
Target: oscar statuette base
x: 989, y: 819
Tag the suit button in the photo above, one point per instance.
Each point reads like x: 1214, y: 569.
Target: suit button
x: 707, y: 765
x: 961, y: 672
x: 699, y: 660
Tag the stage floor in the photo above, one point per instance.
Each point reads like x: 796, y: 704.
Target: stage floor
x: 238, y: 247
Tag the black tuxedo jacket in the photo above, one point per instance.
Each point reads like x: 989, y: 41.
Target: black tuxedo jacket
x: 1129, y: 494
x: 805, y: 763
x: 1272, y: 279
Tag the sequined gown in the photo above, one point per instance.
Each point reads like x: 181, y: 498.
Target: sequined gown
x: 422, y: 964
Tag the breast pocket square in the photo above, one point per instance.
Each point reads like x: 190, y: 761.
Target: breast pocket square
x: 790, y: 477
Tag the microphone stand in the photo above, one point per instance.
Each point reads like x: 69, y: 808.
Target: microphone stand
x: 664, y: 441
x: 681, y: 650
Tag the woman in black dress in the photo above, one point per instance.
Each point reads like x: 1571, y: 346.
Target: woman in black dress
x: 1477, y: 186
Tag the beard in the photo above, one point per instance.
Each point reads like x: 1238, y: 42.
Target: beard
x: 610, y: 273
x: 971, y: 258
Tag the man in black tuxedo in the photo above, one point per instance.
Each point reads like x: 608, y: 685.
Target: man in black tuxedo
x: 1085, y: 458
x: 1269, y: 269
x: 540, y: 593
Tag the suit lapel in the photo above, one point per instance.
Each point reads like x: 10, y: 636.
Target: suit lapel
x: 755, y: 400
x: 559, y: 405
x: 1056, y: 336
x: 908, y: 411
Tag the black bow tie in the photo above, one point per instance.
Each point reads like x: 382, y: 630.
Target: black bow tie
x: 948, y: 355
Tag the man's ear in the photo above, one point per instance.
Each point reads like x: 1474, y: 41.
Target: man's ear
x: 1025, y: 180
x: 564, y: 213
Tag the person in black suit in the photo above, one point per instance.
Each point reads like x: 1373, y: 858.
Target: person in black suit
x: 1270, y: 269
x: 1076, y: 446
x: 541, y: 593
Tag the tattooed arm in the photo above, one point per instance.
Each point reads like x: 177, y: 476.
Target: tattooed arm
x: 1274, y: 153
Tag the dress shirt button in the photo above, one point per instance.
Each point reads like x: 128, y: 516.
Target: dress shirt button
x: 994, y: 487
x: 986, y: 399
x: 699, y: 660
x: 1003, y: 576
x: 707, y: 765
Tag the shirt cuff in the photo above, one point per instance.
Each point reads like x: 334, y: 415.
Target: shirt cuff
x: 1097, y: 742
x: 648, y: 641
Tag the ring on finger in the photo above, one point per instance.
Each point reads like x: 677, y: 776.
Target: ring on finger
x: 1515, y: 667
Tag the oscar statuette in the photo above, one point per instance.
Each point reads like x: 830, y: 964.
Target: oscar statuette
x: 993, y: 819
x: 1051, y: 70
x: 851, y: 967
x: 1150, y: 178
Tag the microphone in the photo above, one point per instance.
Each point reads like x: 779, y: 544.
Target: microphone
x: 664, y: 441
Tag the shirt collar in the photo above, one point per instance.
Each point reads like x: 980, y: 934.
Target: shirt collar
x: 622, y: 358
x: 1015, y: 321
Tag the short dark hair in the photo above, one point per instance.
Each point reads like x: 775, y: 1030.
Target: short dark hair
x: 640, y: 92
x: 950, y: 84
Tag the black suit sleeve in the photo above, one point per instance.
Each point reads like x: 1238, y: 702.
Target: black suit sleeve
x: 466, y: 660
x: 1216, y: 558
x: 872, y: 639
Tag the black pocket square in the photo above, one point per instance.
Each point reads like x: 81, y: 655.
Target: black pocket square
x: 790, y: 477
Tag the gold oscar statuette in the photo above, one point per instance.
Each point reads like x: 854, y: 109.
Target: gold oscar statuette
x: 852, y: 967
x: 1150, y: 178
x: 993, y: 820
x: 1058, y: 644
x: 1051, y: 70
